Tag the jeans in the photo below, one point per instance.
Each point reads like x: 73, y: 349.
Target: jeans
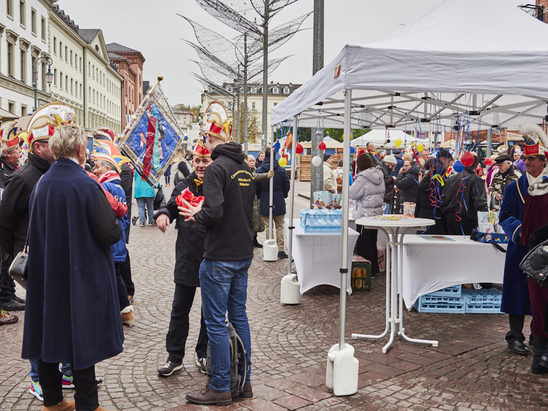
x: 386, y: 208
x: 149, y: 201
x: 66, y: 369
x: 224, y: 288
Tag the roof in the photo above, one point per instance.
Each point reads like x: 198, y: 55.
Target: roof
x: 114, y: 56
x: 118, y: 48
x: 88, y: 34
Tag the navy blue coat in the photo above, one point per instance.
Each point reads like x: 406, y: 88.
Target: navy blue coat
x: 281, y: 188
x: 515, y: 293
x: 72, y: 312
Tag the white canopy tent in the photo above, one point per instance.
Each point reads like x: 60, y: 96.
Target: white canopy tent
x: 484, y: 61
x: 379, y: 138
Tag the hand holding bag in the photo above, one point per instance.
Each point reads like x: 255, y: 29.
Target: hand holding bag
x: 18, y: 267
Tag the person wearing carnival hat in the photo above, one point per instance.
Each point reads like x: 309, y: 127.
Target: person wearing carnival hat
x: 106, y: 169
x: 227, y: 215
x: 516, y: 300
x: 505, y: 175
x: 515, y: 153
x: 189, y: 249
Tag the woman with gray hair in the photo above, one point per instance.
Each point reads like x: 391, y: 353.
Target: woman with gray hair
x: 72, y: 312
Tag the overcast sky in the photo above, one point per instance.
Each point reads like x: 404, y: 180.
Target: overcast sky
x: 153, y: 28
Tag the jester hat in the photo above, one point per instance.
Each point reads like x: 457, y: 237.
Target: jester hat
x: 46, y: 119
x: 8, y: 133
x: 201, y: 150
x: 217, y: 123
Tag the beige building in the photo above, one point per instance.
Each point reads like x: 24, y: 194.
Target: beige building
x: 277, y: 92
x: 23, y: 42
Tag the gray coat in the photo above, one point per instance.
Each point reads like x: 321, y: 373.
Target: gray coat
x: 367, y: 191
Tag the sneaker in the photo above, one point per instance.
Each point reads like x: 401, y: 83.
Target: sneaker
x: 169, y: 368
x: 13, y: 305
x: 282, y: 254
x: 127, y: 316
x: 201, y: 363
x: 7, y: 318
x: 19, y: 300
x: 141, y: 224
x: 68, y: 382
x: 36, y: 390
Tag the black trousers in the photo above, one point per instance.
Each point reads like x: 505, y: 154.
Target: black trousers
x: 125, y: 272
x: 7, y: 285
x: 84, y: 382
x: 366, y: 246
x: 122, y: 292
x: 179, y: 325
x: 516, y: 328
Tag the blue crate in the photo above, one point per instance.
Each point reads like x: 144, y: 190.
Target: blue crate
x: 485, y: 301
x: 453, y: 291
x: 440, y: 304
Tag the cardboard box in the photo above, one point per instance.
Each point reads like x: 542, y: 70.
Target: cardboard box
x: 360, y: 274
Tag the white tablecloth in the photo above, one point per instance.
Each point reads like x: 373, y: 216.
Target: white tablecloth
x: 317, y: 257
x: 431, y: 265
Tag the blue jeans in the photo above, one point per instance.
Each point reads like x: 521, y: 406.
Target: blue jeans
x: 149, y: 201
x: 223, y: 285
x: 66, y: 369
x: 386, y: 208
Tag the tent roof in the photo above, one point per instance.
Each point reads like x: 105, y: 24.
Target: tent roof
x: 379, y: 137
x: 484, y: 61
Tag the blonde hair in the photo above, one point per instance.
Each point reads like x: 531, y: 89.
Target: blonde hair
x: 66, y: 141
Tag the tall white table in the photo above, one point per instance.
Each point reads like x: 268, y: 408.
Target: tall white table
x: 317, y: 257
x: 395, y: 227
x: 439, y: 261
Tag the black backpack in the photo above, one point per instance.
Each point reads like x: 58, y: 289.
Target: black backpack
x: 237, y: 357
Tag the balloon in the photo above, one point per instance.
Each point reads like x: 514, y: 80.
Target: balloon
x: 398, y: 142
x: 488, y: 161
x: 321, y: 146
x: 467, y: 159
x: 316, y: 161
x: 352, y: 150
x: 458, y: 166
x: 288, y: 140
x: 282, y: 162
x: 420, y: 147
x: 361, y: 152
x: 299, y: 148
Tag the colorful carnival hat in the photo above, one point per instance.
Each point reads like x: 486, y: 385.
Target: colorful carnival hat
x: 201, y: 150
x: 121, y: 160
x: 110, y: 147
x: 104, y: 133
x: 8, y: 134
x: 102, y: 152
x: 46, y: 119
x: 217, y: 123
x: 536, y: 141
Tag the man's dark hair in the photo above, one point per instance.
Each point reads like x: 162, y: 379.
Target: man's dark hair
x: 443, y: 153
x: 326, y: 157
x: 364, y: 162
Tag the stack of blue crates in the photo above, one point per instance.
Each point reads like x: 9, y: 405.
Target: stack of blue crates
x: 454, y: 300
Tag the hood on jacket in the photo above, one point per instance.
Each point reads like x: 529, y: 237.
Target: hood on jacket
x: 265, y: 165
x: 231, y: 150
x: 373, y: 175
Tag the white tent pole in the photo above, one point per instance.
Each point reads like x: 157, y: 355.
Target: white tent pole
x: 271, y: 190
x: 292, y: 194
x: 345, y: 183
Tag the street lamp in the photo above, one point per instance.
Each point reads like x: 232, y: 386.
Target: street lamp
x: 48, y: 75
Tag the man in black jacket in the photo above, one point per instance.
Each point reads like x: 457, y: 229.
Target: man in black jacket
x: 227, y: 214
x: 14, y: 215
x: 188, y: 256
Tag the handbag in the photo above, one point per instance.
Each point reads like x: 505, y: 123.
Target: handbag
x: 535, y: 263
x: 18, y: 267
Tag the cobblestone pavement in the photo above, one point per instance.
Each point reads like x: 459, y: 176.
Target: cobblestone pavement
x: 471, y: 369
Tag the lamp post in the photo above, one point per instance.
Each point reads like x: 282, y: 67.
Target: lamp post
x: 49, y: 76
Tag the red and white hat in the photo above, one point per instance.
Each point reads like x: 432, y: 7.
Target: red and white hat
x: 201, y: 150
x: 217, y: 123
x: 8, y: 134
x: 104, y: 133
x: 46, y: 119
x: 536, y: 141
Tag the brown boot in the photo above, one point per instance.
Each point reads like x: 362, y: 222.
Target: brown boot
x: 99, y: 408
x: 247, y: 392
x: 127, y: 316
x: 62, y: 406
x: 209, y: 397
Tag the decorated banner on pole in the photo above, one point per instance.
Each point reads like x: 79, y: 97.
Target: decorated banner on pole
x: 152, y: 136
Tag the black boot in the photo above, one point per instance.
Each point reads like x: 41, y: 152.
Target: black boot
x: 540, y: 346
x: 256, y: 243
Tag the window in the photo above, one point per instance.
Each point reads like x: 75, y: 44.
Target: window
x: 11, y: 60
x: 286, y: 90
x: 9, y: 8
x: 66, y: 83
x: 24, y: 110
x: 23, y: 66
x: 275, y: 90
x: 55, y: 77
x: 71, y: 58
x: 43, y: 29
x: 33, y: 21
x: 71, y: 86
x: 11, y: 107
x: 32, y: 63
x: 61, y: 49
x: 43, y: 78
x: 55, y: 45
x: 254, y: 90
x: 66, y: 54
x: 22, y: 13
x: 61, y: 80
x: 253, y: 106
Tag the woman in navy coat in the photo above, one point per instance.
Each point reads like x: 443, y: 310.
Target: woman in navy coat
x: 72, y: 312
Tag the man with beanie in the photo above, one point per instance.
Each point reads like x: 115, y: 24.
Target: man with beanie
x: 227, y: 214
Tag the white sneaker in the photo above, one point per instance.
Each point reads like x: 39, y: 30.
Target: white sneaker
x: 201, y: 363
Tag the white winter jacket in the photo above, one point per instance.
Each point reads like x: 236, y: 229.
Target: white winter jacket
x: 367, y: 191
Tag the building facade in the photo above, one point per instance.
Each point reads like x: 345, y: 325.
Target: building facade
x: 23, y: 42
x: 277, y: 92
x: 129, y: 63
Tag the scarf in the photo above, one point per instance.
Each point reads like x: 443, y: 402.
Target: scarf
x: 109, y: 176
